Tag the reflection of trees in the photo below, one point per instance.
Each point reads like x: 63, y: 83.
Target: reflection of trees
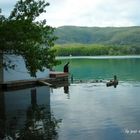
x: 66, y: 91
x: 40, y: 123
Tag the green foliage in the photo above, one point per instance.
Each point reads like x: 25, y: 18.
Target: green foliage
x: 28, y: 9
x: 97, y: 35
x: 21, y: 34
x: 94, y: 50
x: 90, y: 41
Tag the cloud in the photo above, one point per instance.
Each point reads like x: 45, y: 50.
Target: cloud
x: 7, y: 6
x: 87, y: 12
x: 95, y: 13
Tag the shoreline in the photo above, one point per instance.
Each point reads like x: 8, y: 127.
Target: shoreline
x: 99, y: 57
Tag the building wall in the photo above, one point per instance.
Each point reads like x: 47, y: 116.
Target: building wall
x: 20, y: 72
x: 1, y: 70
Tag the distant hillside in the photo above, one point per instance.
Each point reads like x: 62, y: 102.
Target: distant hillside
x: 98, y: 35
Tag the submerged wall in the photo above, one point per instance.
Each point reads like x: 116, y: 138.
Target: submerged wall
x: 20, y: 72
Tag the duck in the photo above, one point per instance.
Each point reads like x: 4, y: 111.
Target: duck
x: 113, y: 82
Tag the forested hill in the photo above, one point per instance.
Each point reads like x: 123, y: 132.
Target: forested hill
x: 98, y: 35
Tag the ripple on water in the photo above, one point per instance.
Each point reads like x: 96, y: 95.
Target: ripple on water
x: 95, y: 111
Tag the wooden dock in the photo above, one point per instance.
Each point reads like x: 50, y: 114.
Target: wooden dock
x: 55, y: 79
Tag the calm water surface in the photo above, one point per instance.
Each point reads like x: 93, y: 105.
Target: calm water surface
x: 103, y: 68
x: 93, y: 111
x: 86, y: 110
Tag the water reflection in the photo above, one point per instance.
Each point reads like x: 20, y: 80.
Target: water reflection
x: 26, y: 114
x: 66, y: 91
x: 97, y: 112
x: 2, y: 115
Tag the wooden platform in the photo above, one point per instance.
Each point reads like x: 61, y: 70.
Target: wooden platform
x: 58, y: 74
x: 55, y: 79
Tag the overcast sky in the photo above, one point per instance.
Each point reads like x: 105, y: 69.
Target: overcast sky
x: 87, y: 12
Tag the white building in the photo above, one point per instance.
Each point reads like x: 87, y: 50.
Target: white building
x: 20, y: 72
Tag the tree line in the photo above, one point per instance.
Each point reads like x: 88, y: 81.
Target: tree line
x: 95, y: 50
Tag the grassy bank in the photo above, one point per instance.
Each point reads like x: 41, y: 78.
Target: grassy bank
x: 95, y: 50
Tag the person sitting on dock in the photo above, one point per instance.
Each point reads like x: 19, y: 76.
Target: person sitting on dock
x: 113, y: 82
x: 66, y: 68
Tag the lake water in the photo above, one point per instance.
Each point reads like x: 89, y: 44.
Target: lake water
x: 85, y: 110
x: 91, y: 110
x: 91, y: 68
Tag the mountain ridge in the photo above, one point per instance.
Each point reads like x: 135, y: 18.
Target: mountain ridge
x: 98, y: 35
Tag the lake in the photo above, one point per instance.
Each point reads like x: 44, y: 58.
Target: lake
x: 85, y: 110
x: 91, y: 68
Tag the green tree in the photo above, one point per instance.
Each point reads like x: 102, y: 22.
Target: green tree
x: 23, y: 35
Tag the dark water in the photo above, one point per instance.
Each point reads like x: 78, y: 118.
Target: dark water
x: 26, y: 115
x: 85, y: 110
